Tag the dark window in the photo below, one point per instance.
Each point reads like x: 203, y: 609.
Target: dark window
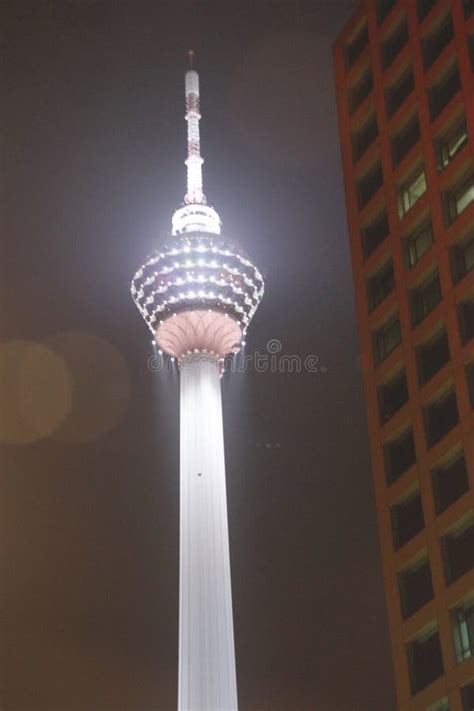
x: 364, y: 137
x: 418, y: 243
x: 425, y: 298
x: 386, y: 339
x: 458, y: 198
x: 424, y: 6
x: 360, y: 91
x: 449, y: 482
x: 432, y: 356
x: 397, y: 93
x: 466, y: 320
x: 470, y: 382
x: 407, y: 519
x: 392, y: 46
x: 463, y: 630
x: 399, y: 456
x: 440, y: 417
x: 375, y: 233
x: 357, y: 46
x: 441, y: 93
x: 380, y: 285
x: 458, y: 552
x: 425, y: 660
x: 449, y: 145
x: 471, y: 50
x: 462, y: 257
x: 392, y: 396
x: 434, y: 44
x: 468, y: 10
x: 467, y: 697
x: 368, y: 185
x: 405, y: 140
x: 383, y: 7
x: 416, y: 587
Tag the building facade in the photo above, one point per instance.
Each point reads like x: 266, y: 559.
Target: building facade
x: 405, y: 90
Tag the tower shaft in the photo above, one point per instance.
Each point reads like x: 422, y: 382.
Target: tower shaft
x: 207, y: 677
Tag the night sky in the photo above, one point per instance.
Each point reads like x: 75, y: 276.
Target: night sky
x: 93, y: 147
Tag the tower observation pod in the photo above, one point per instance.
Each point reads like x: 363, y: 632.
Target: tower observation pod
x: 198, y: 294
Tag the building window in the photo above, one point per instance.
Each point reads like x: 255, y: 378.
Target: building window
x: 466, y: 320
x: 467, y: 697
x: 407, y: 519
x: 386, y: 339
x: 368, y: 185
x: 449, y: 145
x: 361, y: 90
x: 399, y: 91
x: 356, y: 46
x: 424, y: 7
x: 470, y: 382
x: 449, y: 482
x: 393, y: 45
x: 383, y: 8
x: 375, y: 233
x: 392, y: 396
x: 411, y: 191
x: 458, y: 551
x: 432, y: 355
x: 416, y: 587
x: 442, y: 705
x: 468, y: 10
x: 418, y: 243
x: 380, y: 285
x: 471, y: 50
x: 458, y: 198
x: 438, y: 40
x: 364, y: 137
x: 425, y: 298
x: 425, y: 661
x: 443, y: 91
x: 399, y: 455
x: 462, y: 257
x: 404, y: 141
x: 463, y: 630
x: 440, y: 417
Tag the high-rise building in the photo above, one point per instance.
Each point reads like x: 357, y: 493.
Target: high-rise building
x: 405, y: 91
x: 198, y: 294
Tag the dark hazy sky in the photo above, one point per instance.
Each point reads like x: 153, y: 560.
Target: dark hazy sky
x: 93, y: 144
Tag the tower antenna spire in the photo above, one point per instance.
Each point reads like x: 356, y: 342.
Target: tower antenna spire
x: 194, y: 160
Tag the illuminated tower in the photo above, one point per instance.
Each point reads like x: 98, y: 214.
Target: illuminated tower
x: 198, y: 295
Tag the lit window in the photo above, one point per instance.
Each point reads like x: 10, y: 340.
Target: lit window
x: 459, y: 198
x: 411, y: 191
x: 463, y: 631
x: 450, y: 144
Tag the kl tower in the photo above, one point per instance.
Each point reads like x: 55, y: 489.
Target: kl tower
x: 198, y: 294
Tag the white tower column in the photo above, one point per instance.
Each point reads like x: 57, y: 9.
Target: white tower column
x: 207, y: 677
